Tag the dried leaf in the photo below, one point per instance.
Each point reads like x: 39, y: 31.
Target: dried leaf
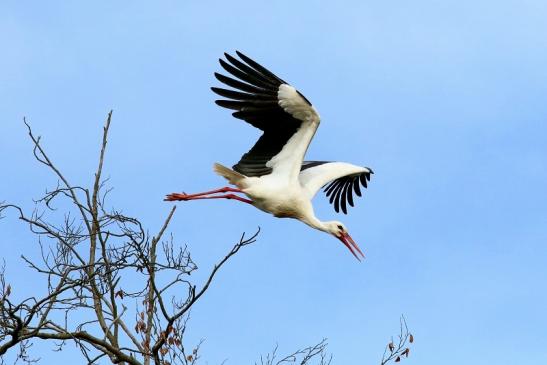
x: 119, y: 293
x: 146, y: 345
x: 391, y: 346
x: 398, y: 359
x: 8, y: 290
x: 406, y: 352
x: 411, y: 338
x: 189, y: 357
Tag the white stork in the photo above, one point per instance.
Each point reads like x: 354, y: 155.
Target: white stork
x: 273, y: 174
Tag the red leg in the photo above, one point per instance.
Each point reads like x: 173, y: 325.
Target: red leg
x: 184, y: 196
x: 226, y: 189
x: 175, y: 196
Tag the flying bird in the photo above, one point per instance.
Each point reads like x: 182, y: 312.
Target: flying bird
x: 272, y: 175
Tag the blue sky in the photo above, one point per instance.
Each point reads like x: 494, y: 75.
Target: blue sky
x: 444, y: 100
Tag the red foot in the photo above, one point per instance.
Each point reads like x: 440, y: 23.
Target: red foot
x: 176, y: 197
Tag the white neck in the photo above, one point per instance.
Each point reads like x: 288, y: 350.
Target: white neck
x: 313, y: 222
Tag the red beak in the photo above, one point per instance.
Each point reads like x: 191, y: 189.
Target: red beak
x: 351, y: 245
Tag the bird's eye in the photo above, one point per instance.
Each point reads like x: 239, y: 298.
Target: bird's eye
x: 340, y: 227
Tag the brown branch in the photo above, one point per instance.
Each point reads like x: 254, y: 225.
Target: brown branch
x: 116, y: 355
x: 85, y: 261
x: 95, y: 228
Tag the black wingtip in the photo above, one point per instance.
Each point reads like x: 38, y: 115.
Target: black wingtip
x: 229, y: 57
x: 217, y: 90
x: 223, y: 63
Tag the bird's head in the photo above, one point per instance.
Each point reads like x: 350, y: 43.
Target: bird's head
x: 339, y: 230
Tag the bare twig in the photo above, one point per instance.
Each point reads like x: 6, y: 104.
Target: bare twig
x: 396, y: 351
x: 312, y: 354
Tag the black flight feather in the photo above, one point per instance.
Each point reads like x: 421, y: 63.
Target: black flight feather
x: 255, y: 101
x: 250, y: 71
x: 246, y: 77
x: 260, y: 68
x: 340, y: 191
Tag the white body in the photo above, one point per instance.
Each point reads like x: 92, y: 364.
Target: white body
x: 287, y: 192
x: 292, y: 198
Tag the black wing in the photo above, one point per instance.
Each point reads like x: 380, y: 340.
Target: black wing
x: 256, y: 102
x: 341, y: 190
x: 309, y: 164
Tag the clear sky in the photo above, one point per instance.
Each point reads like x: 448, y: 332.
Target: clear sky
x: 445, y: 100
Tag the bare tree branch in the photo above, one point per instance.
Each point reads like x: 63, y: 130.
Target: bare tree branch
x: 94, y: 261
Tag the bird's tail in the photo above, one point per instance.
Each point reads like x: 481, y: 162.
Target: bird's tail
x: 232, y: 176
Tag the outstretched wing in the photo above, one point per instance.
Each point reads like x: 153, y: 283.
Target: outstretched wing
x: 339, y: 179
x: 268, y: 103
